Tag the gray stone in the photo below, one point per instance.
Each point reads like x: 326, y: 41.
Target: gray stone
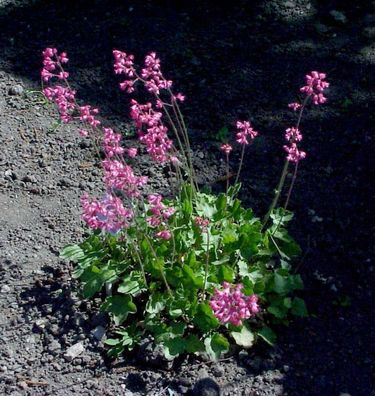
x: 5, y: 289
x: 98, y: 332
x: 73, y: 351
x: 16, y: 90
x: 206, y: 387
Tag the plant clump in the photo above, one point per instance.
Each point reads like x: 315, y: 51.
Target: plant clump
x: 196, y: 272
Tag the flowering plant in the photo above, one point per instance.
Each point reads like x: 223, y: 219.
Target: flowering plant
x: 197, y: 272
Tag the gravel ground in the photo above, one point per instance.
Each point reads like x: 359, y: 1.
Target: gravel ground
x: 51, y: 341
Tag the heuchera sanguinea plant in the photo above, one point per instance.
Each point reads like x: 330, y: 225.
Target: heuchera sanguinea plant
x: 196, y: 272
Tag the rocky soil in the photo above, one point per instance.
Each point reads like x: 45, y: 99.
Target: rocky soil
x: 239, y: 61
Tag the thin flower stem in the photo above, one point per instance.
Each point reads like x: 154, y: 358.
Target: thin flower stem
x: 284, y: 172
x: 141, y: 265
x: 291, y: 185
x: 240, y: 166
x: 227, y: 170
x: 277, y: 192
x: 207, y: 264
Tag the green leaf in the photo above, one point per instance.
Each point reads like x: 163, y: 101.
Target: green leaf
x: 193, y: 344
x: 226, y: 273
x: 156, y: 303
x: 177, y: 328
x: 173, y: 347
x: 132, y: 284
x: 216, y: 345
x: 73, y: 253
x: 112, y: 341
x: 244, y: 338
x: 267, y: 335
x: 277, y: 311
x: 281, y: 284
x: 229, y: 235
x: 221, y: 202
x: 190, y: 277
x: 204, y: 318
x: 281, y: 216
x: 93, y: 280
x: 119, y: 307
x: 299, y: 307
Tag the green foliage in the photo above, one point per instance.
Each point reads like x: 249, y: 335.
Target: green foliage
x: 162, y: 287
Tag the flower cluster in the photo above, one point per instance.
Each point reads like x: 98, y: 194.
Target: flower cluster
x: 202, y: 223
x: 64, y: 98
x: 293, y: 135
x: 120, y: 176
x: 51, y: 62
x: 226, y: 148
x: 245, y: 132
x: 160, y: 212
x: 87, y: 115
x: 151, y: 131
x: 315, y: 86
x: 111, y: 143
x: 108, y: 214
x: 231, y: 306
x: 151, y: 73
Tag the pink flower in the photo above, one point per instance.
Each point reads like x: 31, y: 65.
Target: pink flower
x: 245, y: 131
x: 127, y: 86
x: 132, y: 152
x: 294, y: 106
x: 121, y: 177
x: 123, y: 63
x: 151, y: 130
x: 293, y: 135
x: 231, y: 306
x: 111, y: 143
x: 202, y: 223
x: 294, y: 155
x: 87, y: 114
x: 179, y: 97
x: 165, y: 234
x: 108, y: 214
x: 153, y: 76
x: 83, y: 132
x: 226, y: 148
x: 64, y: 98
x: 315, y: 86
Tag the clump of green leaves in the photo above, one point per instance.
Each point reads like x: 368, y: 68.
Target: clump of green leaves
x: 161, y: 288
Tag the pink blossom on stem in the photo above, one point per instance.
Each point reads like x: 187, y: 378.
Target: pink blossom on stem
x: 151, y: 130
x: 245, y: 131
x: 111, y: 143
x: 87, y: 114
x: 230, y: 305
x: 294, y: 155
x: 64, y: 98
x: 315, y: 86
x: 164, y: 234
x: 294, y: 106
x: 151, y: 73
x: 179, y: 97
x: 202, y: 223
x: 121, y: 177
x: 83, y: 132
x: 108, y: 215
x: 226, y: 148
x: 293, y: 135
x: 124, y: 64
x: 132, y: 152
